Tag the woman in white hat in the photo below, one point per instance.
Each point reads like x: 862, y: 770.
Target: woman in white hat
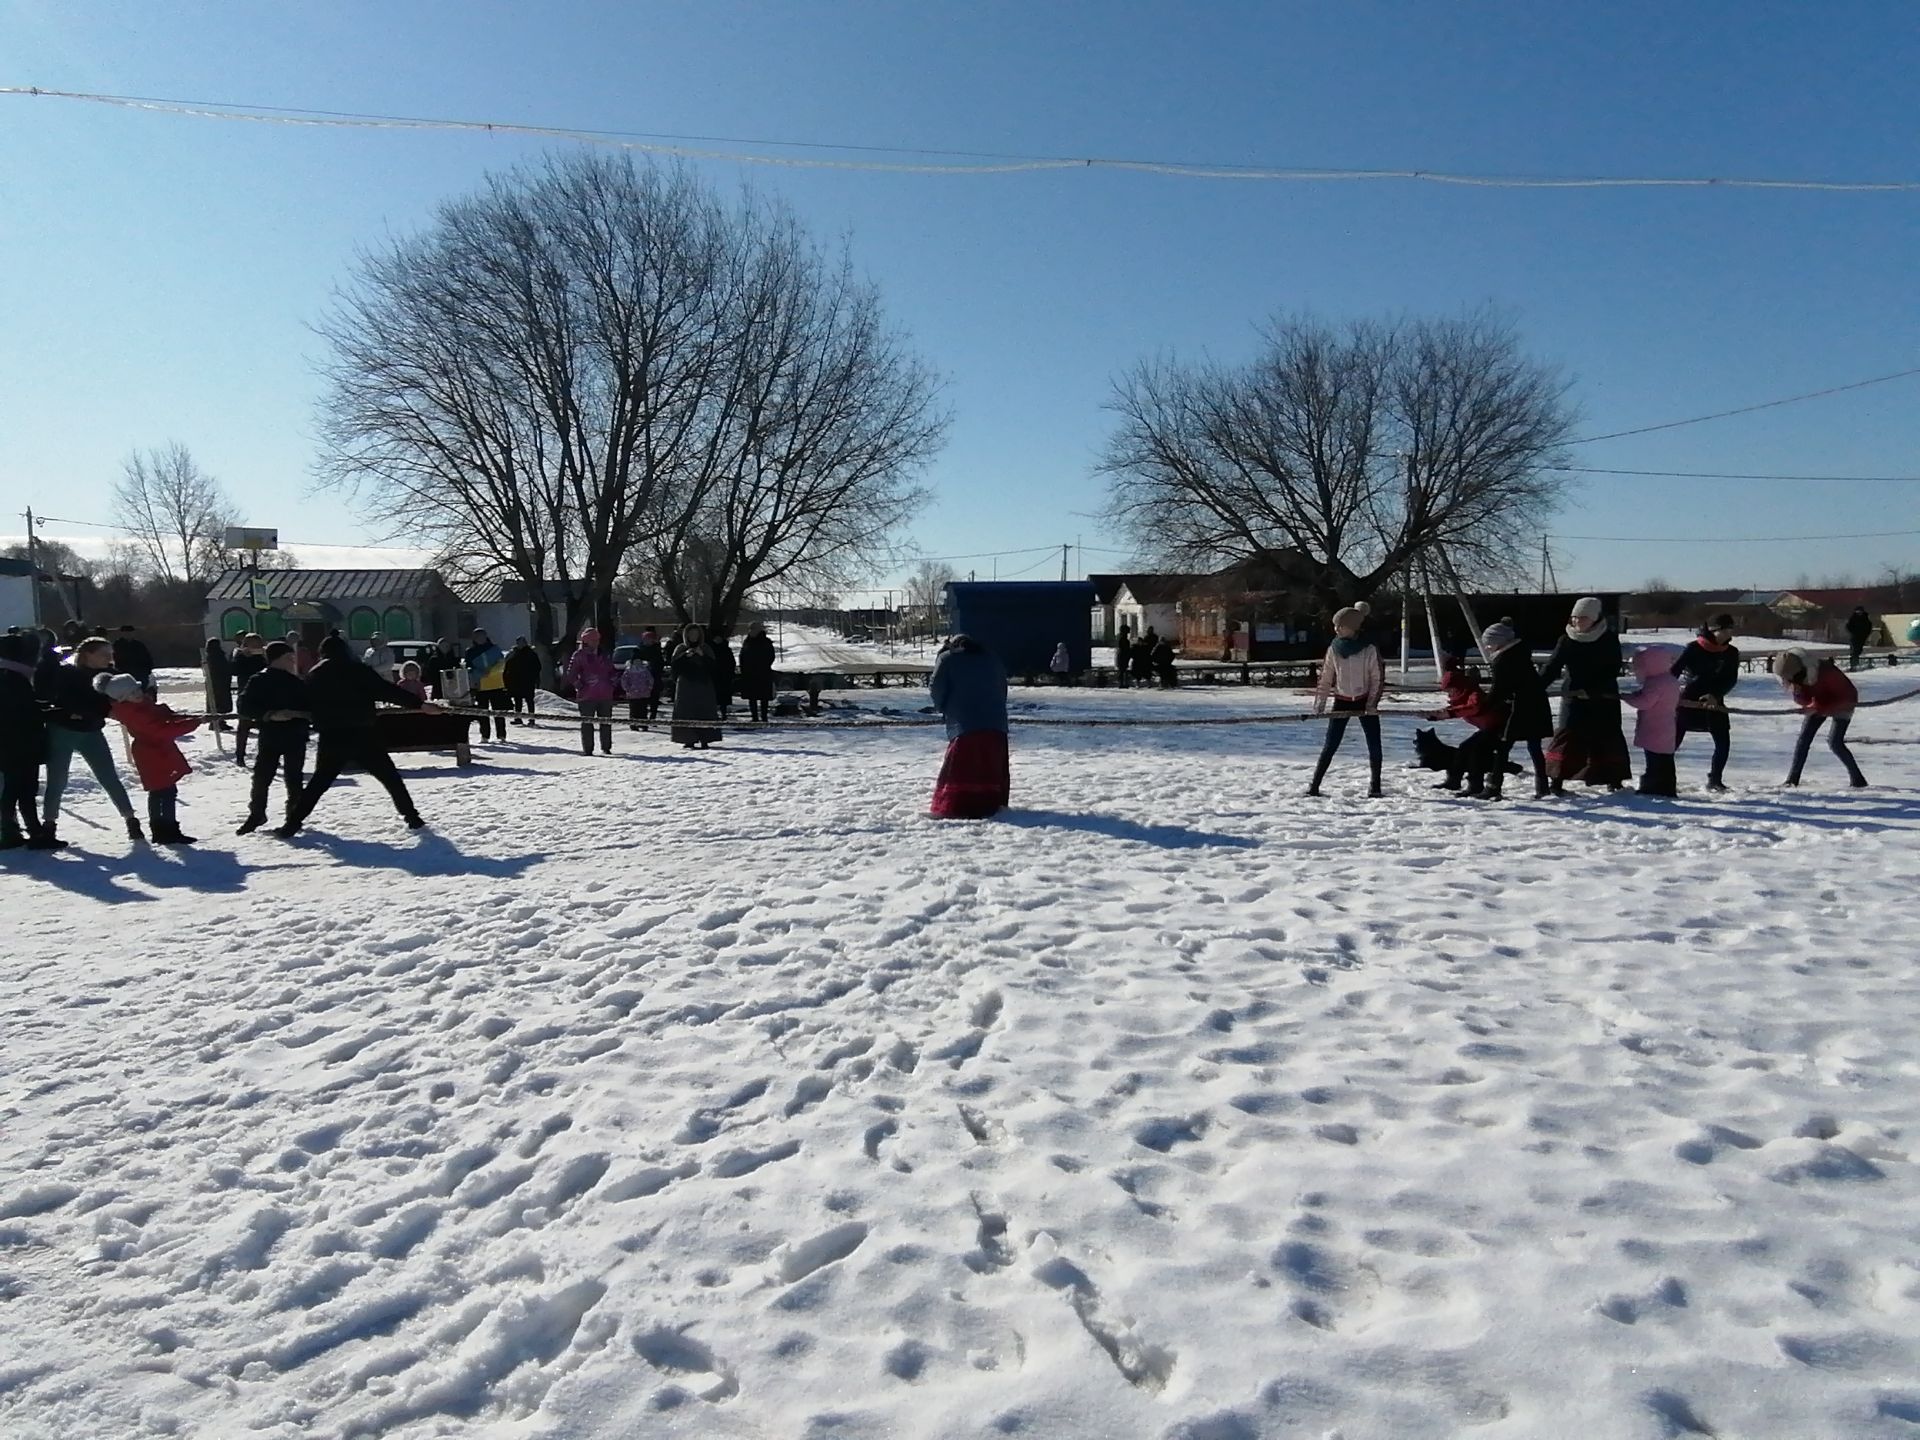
x: 1353, y: 680
x: 1589, y: 744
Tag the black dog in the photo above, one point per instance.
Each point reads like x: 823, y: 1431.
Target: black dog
x: 1472, y: 759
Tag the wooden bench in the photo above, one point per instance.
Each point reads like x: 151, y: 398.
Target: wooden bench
x: 401, y: 731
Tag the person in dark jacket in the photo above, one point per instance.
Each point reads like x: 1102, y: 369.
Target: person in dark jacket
x: 248, y: 661
x: 724, y: 671
x: 435, y: 664
x: 756, y: 672
x: 76, y: 725
x: 1859, y: 631
x: 131, y: 657
x: 1708, y: 669
x: 523, y: 680
x: 1163, y: 665
x: 1589, y: 744
x: 696, y: 695
x: 275, y: 700
x: 23, y: 747
x: 1515, y: 693
x: 654, y: 658
x: 1143, y: 656
x: 1824, y: 693
x: 969, y: 688
x: 218, y: 670
x: 1123, y: 657
x: 341, y: 694
x: 46, y: 666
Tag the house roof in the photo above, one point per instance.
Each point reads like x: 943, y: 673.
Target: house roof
x: 333, y: 585
x: 510, y: 591
x: 1105, y: 587
x: 1843, y: 599
x: 1159, y: 589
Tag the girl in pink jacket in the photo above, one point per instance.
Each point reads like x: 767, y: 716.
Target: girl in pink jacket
x: 1353, y: 679
x: 1657, y: 728
x: 591, y: 675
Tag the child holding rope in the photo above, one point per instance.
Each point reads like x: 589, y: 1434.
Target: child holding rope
x: 1353, y: 678
x: 1822, y: 690
x: 157, y: 760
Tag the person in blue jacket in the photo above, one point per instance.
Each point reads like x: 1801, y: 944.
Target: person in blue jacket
x: 969, y: 687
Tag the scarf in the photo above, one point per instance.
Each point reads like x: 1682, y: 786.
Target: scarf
x: 1707, y: 643
x: 1347, y: 646
x: 1587, y: 637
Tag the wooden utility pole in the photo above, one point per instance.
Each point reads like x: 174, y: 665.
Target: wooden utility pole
x: 33, y: 563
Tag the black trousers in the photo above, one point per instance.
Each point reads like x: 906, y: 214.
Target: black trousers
x: 1343, y: 709
x: 523, y: 704
x: 282, y: 746
x: 1836, y: 742
x: 1497, y: 777
x: 354, y: 746
x: 591, y: 711
x: 758, y: 709
x: 1656, y: 774
x: 495, y: 700
x: 1854, y: 647
x: 1719, y: 725
x: 20, y: 799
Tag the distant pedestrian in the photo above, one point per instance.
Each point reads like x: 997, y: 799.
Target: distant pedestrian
x: 217, y: 670
x: 1656, y: 730
x: 276, y: 701
x: 725, y: 673
x: 1163, y: 665
x: 637, y: 689
x: 522, y: 676
x: 76, y: 725
x: 1708, y: 669
x: 341, y: 695
x: 156, y: 731
x: 1123, y: 657
x: 696, y: 700
x: 1822, y: 690
x: 757, y: 658
x: 23, y: 748
x: 1588, y: 744
x: 131, y: 657
x: 969, y: 688
x: 654, y: 657
x: 1515, y: 693
x: 248, y: 661
x: 1352, y: 680
x: 1859, y: 631
x: 1061, y: 665
x: 1143, y: 656
x: 435, y: 665
x: 379, y: 657
x: 486, y: 672
x: 590, y: 675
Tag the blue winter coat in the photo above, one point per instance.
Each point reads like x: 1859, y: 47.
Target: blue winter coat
x: 970, y: 688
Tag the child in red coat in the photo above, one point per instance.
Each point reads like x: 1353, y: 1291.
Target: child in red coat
x: 1822, y: 689
x: 156, y: 758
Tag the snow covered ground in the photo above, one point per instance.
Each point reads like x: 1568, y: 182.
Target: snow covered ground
x: 726, y: 1095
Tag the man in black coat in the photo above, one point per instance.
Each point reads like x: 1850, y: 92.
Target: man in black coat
x: 1859, y: 631
x: 23, y: 746
x: 275, y: 699
x: 341, y: 694
x: 723, y: 669
x: 131, y: 657
x: 522, y: 674
x: 1709, y: 668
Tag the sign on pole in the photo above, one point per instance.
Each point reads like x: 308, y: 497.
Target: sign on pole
x: 262, y: 593
x: 244, y: 537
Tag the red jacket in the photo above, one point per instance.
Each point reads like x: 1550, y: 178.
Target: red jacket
x: 1831, y: 693
x: 1466, y: 700
x: 154, y: 728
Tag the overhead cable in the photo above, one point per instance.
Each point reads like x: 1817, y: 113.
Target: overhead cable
x: 1738, y: 475
x: 1747, y: 409
x: 939, y: 161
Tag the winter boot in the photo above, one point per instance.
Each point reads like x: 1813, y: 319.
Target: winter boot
x: 134, y: 832
x: 251, y: 824
x: 172, y: 835
x: 414, y: 822
x: 12, y: 840
x: 46, y: 840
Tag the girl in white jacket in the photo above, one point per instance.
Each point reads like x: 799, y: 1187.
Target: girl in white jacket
x: 1353, y: 679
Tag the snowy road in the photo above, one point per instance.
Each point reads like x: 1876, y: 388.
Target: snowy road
x: 728, y: 1096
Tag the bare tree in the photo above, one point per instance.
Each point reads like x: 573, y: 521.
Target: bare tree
x: 583, y: 359
x: 925, y: 594
x: 833, y: 420
x: 174, y: 514
x: 1356, y: 452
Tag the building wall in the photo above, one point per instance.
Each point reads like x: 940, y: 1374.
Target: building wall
x: 16, y: 600
x: 1163, y: 618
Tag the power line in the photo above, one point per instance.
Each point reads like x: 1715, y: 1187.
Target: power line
x: 945, y: 162
x: 1747, y: 409
x: 1737, y: 475
x: 310, y: 544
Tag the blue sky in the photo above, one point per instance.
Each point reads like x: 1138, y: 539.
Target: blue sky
x: 162, y: 272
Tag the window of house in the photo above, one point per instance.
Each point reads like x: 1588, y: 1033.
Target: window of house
x: 398, y: 623
x: 362, y: 623
x: 234, y: 623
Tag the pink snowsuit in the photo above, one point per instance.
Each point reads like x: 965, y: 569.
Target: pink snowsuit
x: 1656, y: 729
x: 591, y: 675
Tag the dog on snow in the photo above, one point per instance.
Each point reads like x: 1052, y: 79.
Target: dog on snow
x: 1472, y: 760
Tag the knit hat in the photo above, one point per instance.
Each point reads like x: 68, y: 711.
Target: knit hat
x: 118, y: 687
x: 1587, y: 607
x: 1499, y: 636
x: 1720, y: 622
x: 277, y: 648
x: 1792, y: 665
x: 1352, y: 617
x: 590, y: 638
x: 335, y: 648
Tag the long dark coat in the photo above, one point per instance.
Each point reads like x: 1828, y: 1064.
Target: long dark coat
x: 695, y: 697
x: 1589, y: 744
x: 1516, y: 691
x: 756, y: 668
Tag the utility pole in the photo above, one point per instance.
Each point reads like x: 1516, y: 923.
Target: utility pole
x: 33, y: 563
x: 1063, y: 561
x: 1543, y: 564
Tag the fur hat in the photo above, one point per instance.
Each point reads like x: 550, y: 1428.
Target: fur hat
x: 118, y: 687
x: 277, y: 648
x: 1588, y: 607
x: 1793, y: 666
x: 1352, y: 617
x: 1499, y: 636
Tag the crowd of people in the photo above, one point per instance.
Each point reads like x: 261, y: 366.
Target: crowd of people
x: 55, y: 702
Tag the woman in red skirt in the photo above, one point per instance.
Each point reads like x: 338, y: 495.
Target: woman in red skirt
x: 970, y: 689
